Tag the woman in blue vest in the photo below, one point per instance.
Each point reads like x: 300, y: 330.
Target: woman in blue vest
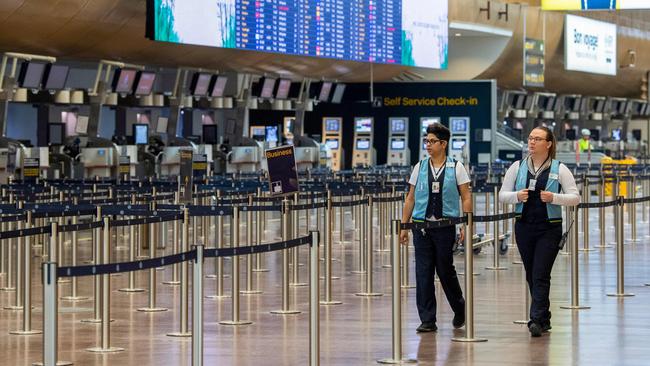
x: 539, y: 185
x: 437, y: 183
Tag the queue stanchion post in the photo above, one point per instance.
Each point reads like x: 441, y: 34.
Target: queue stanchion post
x: 250, y: 290
x: 644, y: 205
x: 50, y: 316
x: 295, y: 274
x: 567, y: 218
x: 601, y: 216
x: 496, y: 241
x: 405, y: 258
x: 74, y: 286
x: 525, y: 319
x: 396, y: 300
x: 259, y: 235
x: 19, y: 283
x: 620, y: 251
x: 286, y: 310
x: 368, y: 291
x: 219, y: 239
x: 469, y: 285
x: 3, y: 252
x: 575, y: 287
x: 151, y: 306
x: 97, y: 250
x: 362, y: 241
x: 314, y: 294
x: 197, y: 307
x: 184, y: 295
x: 10, y: 278
x: 218, y: 229
x: 27, y: 290
x: 132, y: 245
x: 234, y: 276
x: 632, y: 211
x: 105, y: 346
x: 586, y: 197
x: 327, y: 275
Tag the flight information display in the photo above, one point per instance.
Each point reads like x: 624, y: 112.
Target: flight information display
x: 407, y: 32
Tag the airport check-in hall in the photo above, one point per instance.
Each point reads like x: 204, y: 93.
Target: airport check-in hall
x: 332, y: 182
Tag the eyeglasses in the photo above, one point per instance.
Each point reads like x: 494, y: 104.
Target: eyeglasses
x: 536, y: 139
x: 430, y: 142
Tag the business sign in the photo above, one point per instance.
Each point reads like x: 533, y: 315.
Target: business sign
x: 283, y: 175
x: 589, y: 45
x: 534, y: 65
x: 200, y: 165
x: 186, y: 176
x: 594, y: 4
x: 31, y: 168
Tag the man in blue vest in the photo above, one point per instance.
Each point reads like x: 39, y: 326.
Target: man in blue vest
x: 438, y: 183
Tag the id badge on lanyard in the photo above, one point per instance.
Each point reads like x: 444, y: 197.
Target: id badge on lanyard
x: 435, y: 187
x: 532, y: 184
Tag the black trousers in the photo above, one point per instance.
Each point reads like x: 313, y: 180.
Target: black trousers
x: 538, y: 247
x: 434, y: 253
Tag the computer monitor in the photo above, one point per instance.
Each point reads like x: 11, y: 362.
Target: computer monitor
x: 271, y: 134
x: 397, y: 144
x: 636, y: 134
x: 339, y: 90
x: 458, y: 125
x: 333, y: 144
x: 282, y: 89
x: 218, y: 85
x: 55, y: 133
x: 140, y: 133
x: 363, y: 125
x: 363, y: 144
x: 210, y: 134
x: 325, y: 89
x: 31, y: 75
x: 257, y: 131
x: 81, y: 127
x: 144, y: 81
x: 200, y: 84
x: 595, y: 134
x: 397, y: 125
x: 570, y: 134
x: 332, y: 125
x: 267, y: 86
x: 616, y: 134
x: 457, y: 144
x: 123, y: 80
x: 161, y: 126
x: 55, y: 76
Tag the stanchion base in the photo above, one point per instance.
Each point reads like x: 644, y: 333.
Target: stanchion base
x: 463, y: 273
x: 61, y: 281
x: 585, y: 249
x: 217, y: 296
x: 8, y: 289
x: 517, y: 262
x: 391, y: 361
x: 358, y: 272
x: 333, y: 278
x: 285, y: 312
x: 564, y: 253
x: 633, y: 241
x: 521, y: 321
x: 250, y: 292
x: 468, y: 340
x: 179, y: 335
x: 369, y: 294
x: 387, y: 266
x: 621, y: 295
x: 260, y: 270
x: 93, y: 321
x: 58, y: 363
x: 406, y: 287
x: 131, y: 290
x: 571, y: 307
x: 105, y: 350
x: 75, y: 298
x: 299, y: 284
x: 171, y: 283
x: 25, y: 332
x: 331, y: 302
x: 233, y: 322
x: 152, y: 310
x: 496, y: 268
x: 13, y: 307
x: 382, y: 250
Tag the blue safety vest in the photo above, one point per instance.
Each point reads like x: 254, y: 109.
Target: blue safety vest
x: 552, y: 185
x: 450, y: 195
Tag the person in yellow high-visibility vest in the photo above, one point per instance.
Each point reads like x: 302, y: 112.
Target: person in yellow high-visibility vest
x: 584, y: 144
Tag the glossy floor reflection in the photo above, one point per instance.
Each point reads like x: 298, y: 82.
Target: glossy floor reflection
x: 613, y: 331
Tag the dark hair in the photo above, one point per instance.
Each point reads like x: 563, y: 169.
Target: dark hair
x: 440, y: 131
x: 549, y: 137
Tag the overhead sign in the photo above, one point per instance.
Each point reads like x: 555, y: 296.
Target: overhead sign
x: 534, y: 65
x: 31, y: 168
x: 283, y: 175
x: 589, y: 45
x: 594, y: 4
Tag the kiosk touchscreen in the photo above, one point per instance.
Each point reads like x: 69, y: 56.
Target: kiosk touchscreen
x: 140, y: 133
x: 258, y: 133
x: 459, y: 144
x: 272, y: 136
x: 424, y: 123
x: 398, y: 152
x: 363, y: 153
x: 332, y: 137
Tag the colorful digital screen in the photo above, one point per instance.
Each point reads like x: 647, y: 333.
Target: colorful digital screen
x: 271, y: 133
x: 363, y: 125
x: 590, y: 45
x: 397, y: 125
x: 407, y: 32
x: 397, y: 144
x: 333, y: 144
x: 268, y: 86
x: 332, y: 125
x: 458, y: 125
x: 140, y: 134
x: 145, y: 83
x: 428, y: 121
x: 457, y: 144
x: 218, y: 85
x: 363, y: 144
x: 200, y: 84
x: 282, y: 92
x: 123, y: 80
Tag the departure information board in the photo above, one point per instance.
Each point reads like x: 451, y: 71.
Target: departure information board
x: 407, y: 32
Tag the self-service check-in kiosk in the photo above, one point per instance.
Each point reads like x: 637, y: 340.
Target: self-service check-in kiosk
x: 459, y: 144
x: 363, y: 153
x: 398, y: 151
x: 424, y: 123
x: 332, y: 137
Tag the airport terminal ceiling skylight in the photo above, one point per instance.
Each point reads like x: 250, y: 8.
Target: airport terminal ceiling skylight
x: 406, y: 32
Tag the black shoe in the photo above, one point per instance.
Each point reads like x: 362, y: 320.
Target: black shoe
x: 427, y: 327
x: 459, y: 320
x: 546, y: 326
x: 535, y: 329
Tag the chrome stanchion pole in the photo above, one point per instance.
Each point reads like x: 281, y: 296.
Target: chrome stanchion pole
x: 234, y: 275
x: 295, y: 280
x: 10, y: 279
x: 97, y: 251
x: 197, y: 308
x: 397, y: 300
x: 314, y: 311
x: 105, y: 346
x: 368, y: 292
x: 469, y: 285
x: 27, y: 284
x: 219, y: 238
x: 632, y: 211
x: 74, y: 246
x: 620, y: 252
x: 132, y: 285
x: 601, y: 216
x: 185, y: 238
x: 525, y: 319
x: 18, y: 274
x: 286, y: 208
x: 175, y: 248
x: 567, y: 216
x: 496, y: 240
x: 249, y: 258
x: 50, y: 316
x: 585, y: 217
x: 575, y: 295
x: 152, y: 308
x: 328, y: 255
x: 361, y: 223
x: 259, y: 234
x: 405, y: 258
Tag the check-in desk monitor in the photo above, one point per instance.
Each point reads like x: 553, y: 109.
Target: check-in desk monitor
x: 398, y: 152
x: 459, y: 144
x: 271, y: 136
x: 258, y: 133
x: 363, y: 153
x: 424, y: 123
x: 332, y: 138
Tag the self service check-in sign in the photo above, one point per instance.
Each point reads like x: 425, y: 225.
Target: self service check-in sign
x: 283, y: 175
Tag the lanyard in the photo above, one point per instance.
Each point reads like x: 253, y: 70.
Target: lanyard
x: 537, y: 171
x: 436, y: 173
